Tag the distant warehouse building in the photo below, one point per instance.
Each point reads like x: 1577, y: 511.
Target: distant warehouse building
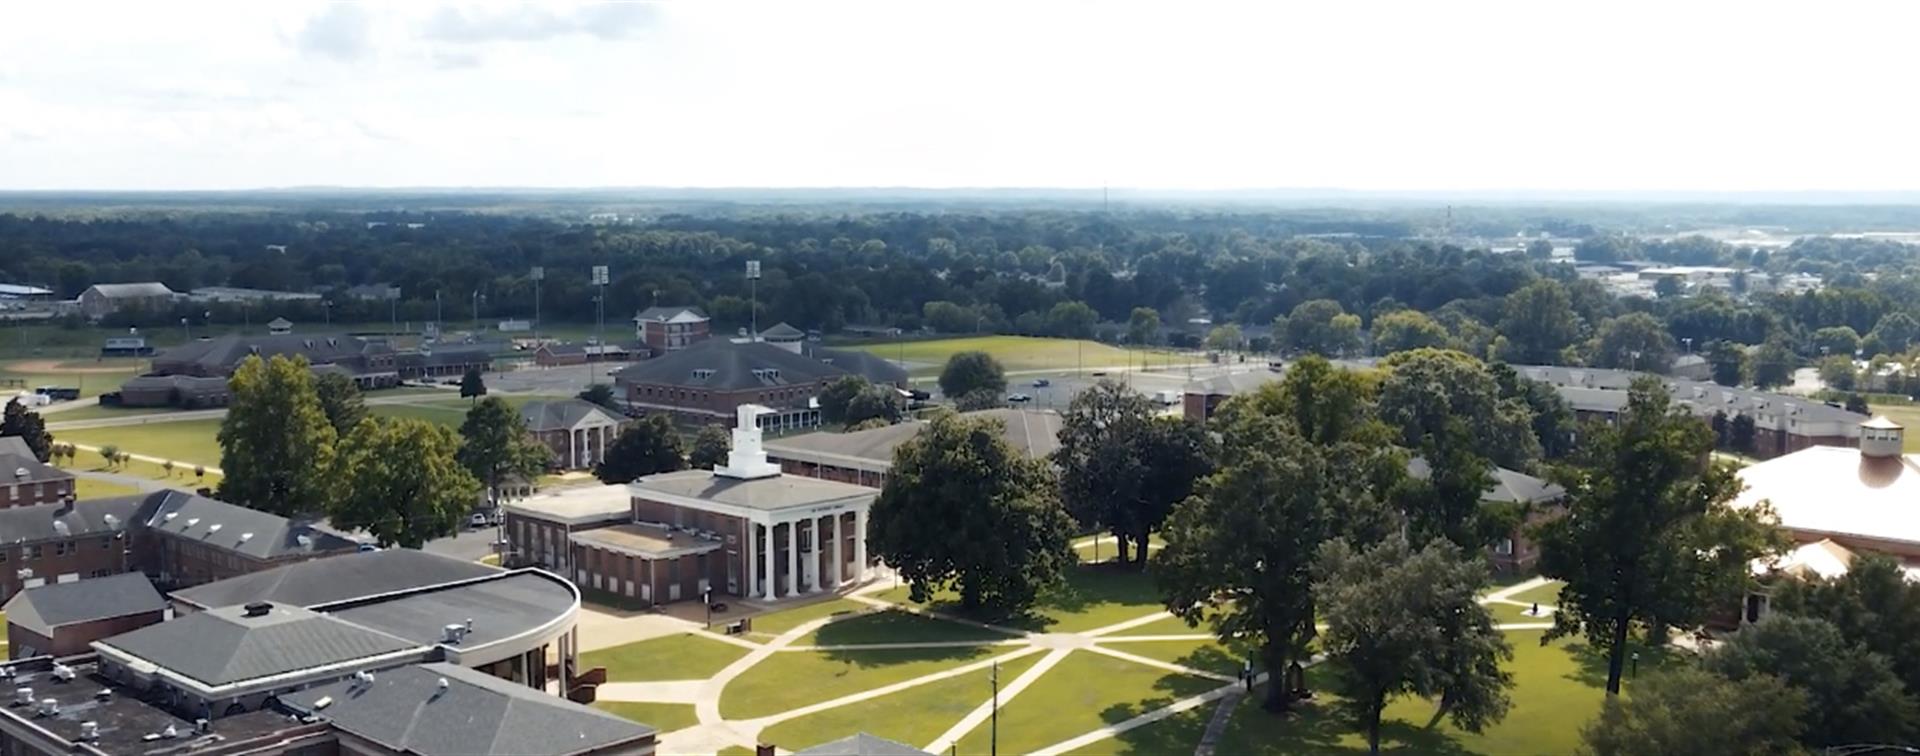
x: 195, y: 374
x: 101, y: 300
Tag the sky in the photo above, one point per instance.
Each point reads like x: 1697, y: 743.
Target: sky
x: 1411, y: 96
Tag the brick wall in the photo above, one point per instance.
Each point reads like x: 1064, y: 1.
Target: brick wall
x: 73, y: 639
x: 34, y: 492
x: 86, y: 556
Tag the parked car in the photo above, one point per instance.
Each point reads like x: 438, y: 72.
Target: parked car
x: 1041, y: 383
x: 1099, y: 373
x: 478, y: 520
x: 1018, y: 398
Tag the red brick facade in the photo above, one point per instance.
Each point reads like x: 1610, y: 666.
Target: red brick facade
x: 87, y: 556
x: 30, y: 493
x: 73, y: 639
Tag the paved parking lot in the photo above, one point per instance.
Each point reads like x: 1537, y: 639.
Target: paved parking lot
x: 563, y: 381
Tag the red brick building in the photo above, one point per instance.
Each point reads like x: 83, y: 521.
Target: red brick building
x: 25, y: 480
x: 709, y: 381
x: 671, y: 329
x: 577, y: 432
x: 63, y: 619
x: 744, y: 529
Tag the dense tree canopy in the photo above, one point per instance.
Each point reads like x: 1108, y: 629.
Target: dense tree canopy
x: 1122, y: 468
x: 276, y: 446
x: 1689, y: 710
x: 27, y: 425
x: 646, y: 446
x: 1853, y: 696
x: 494, y: 445
x: 398, y: 480
x: 968, y: 372
x: 962, y: 507
x: 710, y: 447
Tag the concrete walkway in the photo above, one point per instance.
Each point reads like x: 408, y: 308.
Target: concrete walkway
x: 144, y: 458
x: 1217, y: 725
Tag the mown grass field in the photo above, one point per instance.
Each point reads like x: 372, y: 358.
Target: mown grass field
x: 925, y: 358
x: 190, y: 442
x: 1908, y: 416
x: 93, y: 377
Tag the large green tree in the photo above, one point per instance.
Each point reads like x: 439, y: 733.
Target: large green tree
x: 1404, y: 622
x: 1143, y: 326
x: 1729, y: 362
x: 1853, y: 696
x: 340, y: 400
x: 837, y: 395
x: 1635, y: 341
x: 1771, y: 364
x: 646, y: 446
x: 1538, y: 323
x: 1239, y: 553
x: 1835, y: 341
x: 27, y: 425
x: 276, y: 446
x: 1122, y: 468
x: 1322, y: 326
x: 1873, y: 604
x: 400, y: 482
x: 472, y: 385
x: 969, y: 372
x: 1689, y: 710
x: 1401, y: 330
x: 1648, y: 536
x: 963, y: 508
x: 710, y: 448
x: 1434, y: 396
x: 494, y: 445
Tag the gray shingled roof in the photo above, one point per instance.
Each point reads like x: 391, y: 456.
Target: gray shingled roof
x: 734, y: 367
x: 25, y: 468
x: 222, y: 646
x: 49, y: 606
x: 1507, y: 486
x: 1034, y: 432
x: 337, y: 578
x: 862, y: 745
x: 859, y: 362
x: 477, y: 714
x: 224, y: 352
x: 89, y: 517
x: 771, y: 493
x: 560, y: 414
x: 236, y: 528
x: 15, y: 445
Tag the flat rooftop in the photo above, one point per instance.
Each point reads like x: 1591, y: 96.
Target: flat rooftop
x: 125, y: 721
x: 577, y: 504
x: 501, y: 608
x: 649, y: 541
x: 767, y: 494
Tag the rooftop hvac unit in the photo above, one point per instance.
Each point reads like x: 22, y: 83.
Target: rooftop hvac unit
x: 89, y: 730
x: 49, y: 707
x: 62, y: 672
x: 23, y: 696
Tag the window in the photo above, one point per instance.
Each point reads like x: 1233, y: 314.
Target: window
x: 63, y: 548
x: 1504, y: 548
x: 106, y: 543
x: 33, y: 552
x: 3, y: 556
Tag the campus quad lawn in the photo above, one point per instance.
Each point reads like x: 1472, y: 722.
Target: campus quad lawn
x: 1094, y: 596
x: 675, y: 657
x: 777, y: 622
x: 895, y: 626
x: 445, y: 408
x: 1547, y: 595
x: 665, y: 717
x: 188, y: 441
x: 1084, y: 692
x: 1163, y: 626
x: 1013, y: 352
x: 1508, y: 614
x: 914, y: 716
x: 1176, y: 734
x: 791, y: 679
x: 102, y: 411
x: 1204, y: 655
x: 1558, y: 688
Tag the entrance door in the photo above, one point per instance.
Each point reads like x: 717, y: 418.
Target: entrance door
x: 673, y: 591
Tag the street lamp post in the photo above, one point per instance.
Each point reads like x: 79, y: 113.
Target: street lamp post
x: 994, y: 746
x: 186, y: 330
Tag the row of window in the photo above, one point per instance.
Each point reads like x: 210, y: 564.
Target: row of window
x: 60, y: 548
x: 48, y: 489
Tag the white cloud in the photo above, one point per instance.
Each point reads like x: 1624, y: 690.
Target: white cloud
x: 1372, y: 95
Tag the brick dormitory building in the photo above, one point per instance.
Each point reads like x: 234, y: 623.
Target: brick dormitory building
x: 383, y: 652
x: 26, y: 481
x: 176, y: 538
x: 744, y: 529
x: 710, y: 380
x: 195, y: 374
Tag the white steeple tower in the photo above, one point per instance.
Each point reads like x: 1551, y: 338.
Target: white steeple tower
x: 747, y: 459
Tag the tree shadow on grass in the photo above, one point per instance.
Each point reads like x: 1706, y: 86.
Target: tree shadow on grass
x: 895, y: 626
x: 1590, y: 662
x: 875, y: 658
x: 1168, y: 689
x: 1322, y: 727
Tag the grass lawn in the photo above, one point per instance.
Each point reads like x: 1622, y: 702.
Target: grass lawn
x: 676, y: 657
x: 92, y: 377
x: 1204, y: 655
x: 914, y: 717
x: 443, y: 408
x: 894, y: 626
x: 1558, y: 688
x: 189, y: 441
x: 777, y: 622
x: 792, y: 679
x: 1507, y: 614
x: 665, y: 717
x: 1013, y: 352
x: 101, y: 411
x: 1094, y: 596
x: 1084, y: 692
x: 88, y: 488
x: 1547, y: 594
x: 1177, y: 734
x: 1164, y: 626
x: 1908, y: 416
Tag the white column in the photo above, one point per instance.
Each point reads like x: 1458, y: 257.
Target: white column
x: 839, y: 567
x: 860, y: 544
x: 793, y: 558
x: 815, y: 575
x: 746, y: 556
x: 771, y: 572
x: 573, y: 455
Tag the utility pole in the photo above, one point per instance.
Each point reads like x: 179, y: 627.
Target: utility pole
x: 753, y: 292
x: 539, y: 274
x: 994, y: 747
x: 436, y: 314
x: 600, y: 323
